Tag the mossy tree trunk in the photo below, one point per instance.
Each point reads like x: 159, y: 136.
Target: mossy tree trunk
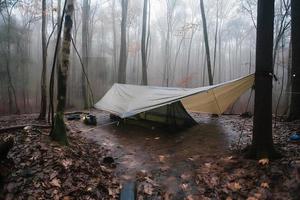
x: 58, y: 132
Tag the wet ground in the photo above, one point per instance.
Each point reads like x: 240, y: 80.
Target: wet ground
x: 172, y: 155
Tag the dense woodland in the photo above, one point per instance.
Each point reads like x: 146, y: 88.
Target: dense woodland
x: 64, y: 55
x: 164, y: 43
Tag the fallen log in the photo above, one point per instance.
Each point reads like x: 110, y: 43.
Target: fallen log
x: 14, y: 128
x: 76, y: 112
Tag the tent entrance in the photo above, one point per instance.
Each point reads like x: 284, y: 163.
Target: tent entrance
x: 173, y: 114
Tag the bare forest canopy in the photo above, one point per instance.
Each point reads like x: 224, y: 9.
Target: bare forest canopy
x: 175, y: 52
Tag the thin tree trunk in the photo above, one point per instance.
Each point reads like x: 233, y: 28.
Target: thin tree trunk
x: 114, y: 40
x: 85, y: 38
x: 216, y: 40
x: 289, y: 80
x: 143, y: 46
x: 43, y: 108
x: 189, y: 57
x: 210, y: 76
x: 123, y: 49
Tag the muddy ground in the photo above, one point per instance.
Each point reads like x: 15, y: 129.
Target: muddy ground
x: 202, y: 162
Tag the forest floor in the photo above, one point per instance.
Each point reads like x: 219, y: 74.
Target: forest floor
x: 203, y: 162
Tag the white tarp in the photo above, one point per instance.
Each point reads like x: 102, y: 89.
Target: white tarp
x: 126, y: 100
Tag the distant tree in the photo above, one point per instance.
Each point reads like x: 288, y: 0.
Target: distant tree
x: 193, y: 28
x: 58, y: 132
x: 143, y: 46
x: 43, y: 108
x: 171, y: 4
x: 85, y: 47
x: 262, y: 142
x: 6, y: 9
x: 123, y: 49
x: 209, y: 70
x: 113, y: 15
x: 295, y: 98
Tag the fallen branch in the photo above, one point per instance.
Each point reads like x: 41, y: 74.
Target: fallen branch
x: 14, y: 128
x: 76, y: 112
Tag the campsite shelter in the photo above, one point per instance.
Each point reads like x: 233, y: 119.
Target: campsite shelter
x: 170, y: 105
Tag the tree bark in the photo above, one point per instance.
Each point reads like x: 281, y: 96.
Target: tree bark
x: 189, y: 55
x: 143, y: 46
x: 262, y: 142
x: 216, y: 40
x: 114, y: 40
x: 43, y: 108
x: 84, y: 42
x: 123, y: 49
x: 58, y: 131
x: 295, y: 98
x: 210, y: 76
x: 289, y: 81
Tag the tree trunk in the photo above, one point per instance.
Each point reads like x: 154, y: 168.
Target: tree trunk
x: 10, y: 82
x: 288, y: 82
x: 123, y: 51
x: 295, y: 98
x: 43, y: 108
x: 189, y: 56
x: 85, y: 39
x: 210, y: 76
x: 143, y: 46
x: 262, y: 142
x: 58, y: 132
x: 216, y: 40
x: 114, y: 40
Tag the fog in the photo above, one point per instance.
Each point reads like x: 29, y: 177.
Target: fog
x: 176, y: 48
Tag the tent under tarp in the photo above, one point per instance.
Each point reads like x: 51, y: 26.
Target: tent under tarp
x: 168, y: 104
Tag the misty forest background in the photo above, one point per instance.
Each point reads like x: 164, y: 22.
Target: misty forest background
x: 175, y: 48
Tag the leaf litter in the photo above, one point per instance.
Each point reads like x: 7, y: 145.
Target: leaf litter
x: 42, y: 169
x: 45, y: 170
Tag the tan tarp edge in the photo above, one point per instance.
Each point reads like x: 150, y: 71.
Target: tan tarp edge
x: 126, y: 100
x: 218, y: 99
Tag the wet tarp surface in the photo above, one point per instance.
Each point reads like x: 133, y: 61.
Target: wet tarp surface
x: 126, y: 100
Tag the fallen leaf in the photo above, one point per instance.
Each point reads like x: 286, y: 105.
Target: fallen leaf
x: 252, y: 198
x: 161, y: 158
x: 264, y: 161
x: 264, y: 185
x: 184, y: 186
x: 53, y: 175
x: 234, y: 186
x: 148, y: 189
x: 190, y: 197
x: 66, y: 163
x: 55, y: 182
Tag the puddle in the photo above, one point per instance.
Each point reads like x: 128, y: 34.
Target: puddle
x: 173, y: 156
